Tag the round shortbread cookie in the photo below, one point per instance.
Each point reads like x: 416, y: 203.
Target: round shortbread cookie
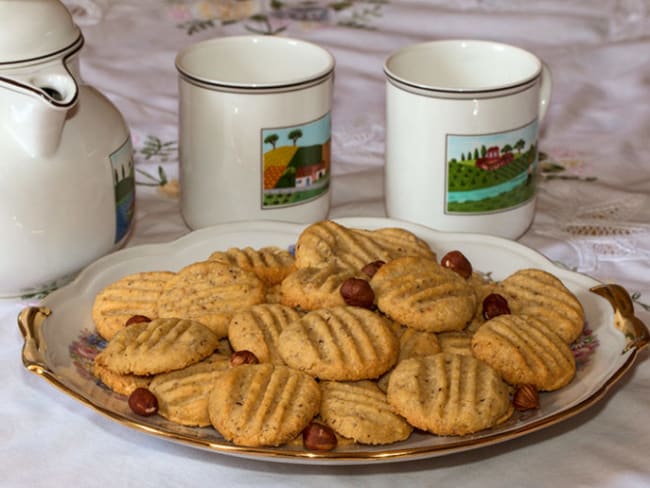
x: 329, y: 243
x: 524, y: 350
x: 158, y: 346
x: 420, y: 293
x: 210, y: 292
x: 540, y: 294
x: 263, y: 404
x: 258, y: 329
x: 359, y: 411
x: 449, y: 394
x: 340, y: 343
x: 135, y: 294
x: 183, y: 394
x: 270, y: 264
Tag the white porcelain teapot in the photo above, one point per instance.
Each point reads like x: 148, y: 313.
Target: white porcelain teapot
x: 67, y: 186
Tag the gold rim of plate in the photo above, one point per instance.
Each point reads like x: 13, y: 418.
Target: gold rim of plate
x: 33, y: 320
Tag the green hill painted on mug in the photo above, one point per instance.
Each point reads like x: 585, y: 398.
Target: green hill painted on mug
x: 304, y: 156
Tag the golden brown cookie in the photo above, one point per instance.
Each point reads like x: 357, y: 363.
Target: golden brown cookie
x: 263, y: 404
x: 449, y: 394
x: 420, y: 293
x: 135, y: 294
x: 456, y: 342
x: 183, y: 394
x: 329, y: 243
x: 210, y: 292
x: 340, y: 343
x: 124, y: 384
x: 359, y: 411
x: 258, y: 329
x: 313, y: 288
x: 540, y: 294
x: 157, y: 347
x: 524, y: 350
x: 270, y: 264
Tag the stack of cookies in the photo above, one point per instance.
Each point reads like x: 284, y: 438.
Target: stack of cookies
x: 361, y: 336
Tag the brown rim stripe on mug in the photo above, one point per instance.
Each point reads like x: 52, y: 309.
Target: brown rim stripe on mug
x: 431, y: 91
x: 235, y: 88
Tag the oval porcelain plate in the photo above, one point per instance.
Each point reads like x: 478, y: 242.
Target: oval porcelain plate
x: 60, y: 340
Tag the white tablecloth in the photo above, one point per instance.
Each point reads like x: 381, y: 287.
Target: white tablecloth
x: 593, y: 216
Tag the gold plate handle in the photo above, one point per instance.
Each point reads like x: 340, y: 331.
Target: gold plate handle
x: 635, y: 331
x: 30, y: 322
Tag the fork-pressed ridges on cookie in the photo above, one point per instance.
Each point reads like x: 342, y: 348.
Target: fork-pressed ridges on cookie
x: 263, y: 404
x: 135, y: 294
x: 158, y: 346
x: 210, y: 292
x: 340, y: 343
x: 420, y: 293
x: 524, y: 350
x: 360, y: 411
x: 449, y: 394
x: 258, y: 330
x: 183, y: 394
x: 538, y: 293
x: 328, y: 243
x: 271, y: 264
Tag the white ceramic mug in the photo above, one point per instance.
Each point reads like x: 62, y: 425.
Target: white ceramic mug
x: 462, y: 120
x: 254, y: 124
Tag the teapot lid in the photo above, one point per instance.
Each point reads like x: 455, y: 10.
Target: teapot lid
x: 34, y: 29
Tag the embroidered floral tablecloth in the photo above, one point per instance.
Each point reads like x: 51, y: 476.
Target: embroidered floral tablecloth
x: 593, y: 215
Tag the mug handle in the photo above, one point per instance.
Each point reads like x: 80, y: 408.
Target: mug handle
x: 545, y: 90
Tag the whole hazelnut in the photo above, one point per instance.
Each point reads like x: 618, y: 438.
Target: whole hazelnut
x: 371, y: 268
x: 137, y: 319
x: 456, y: 261
x: 143, y: 402
x: 357, y: 293
x: 494, y: 305
x: 243, y: 357
x: 526, y: 397
x: 318, y: 437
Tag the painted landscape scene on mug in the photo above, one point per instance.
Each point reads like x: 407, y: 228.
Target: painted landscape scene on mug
x: 296, y: 163
x: 491, y: 172
x: 123, y: 166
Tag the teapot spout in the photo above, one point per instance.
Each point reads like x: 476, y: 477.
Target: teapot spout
x: 36, y: 107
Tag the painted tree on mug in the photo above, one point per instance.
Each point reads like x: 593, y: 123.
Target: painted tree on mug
x: 294, y: 135
x: 272, y: 139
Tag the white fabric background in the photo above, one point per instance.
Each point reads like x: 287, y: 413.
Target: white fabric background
x: 593, y: 216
